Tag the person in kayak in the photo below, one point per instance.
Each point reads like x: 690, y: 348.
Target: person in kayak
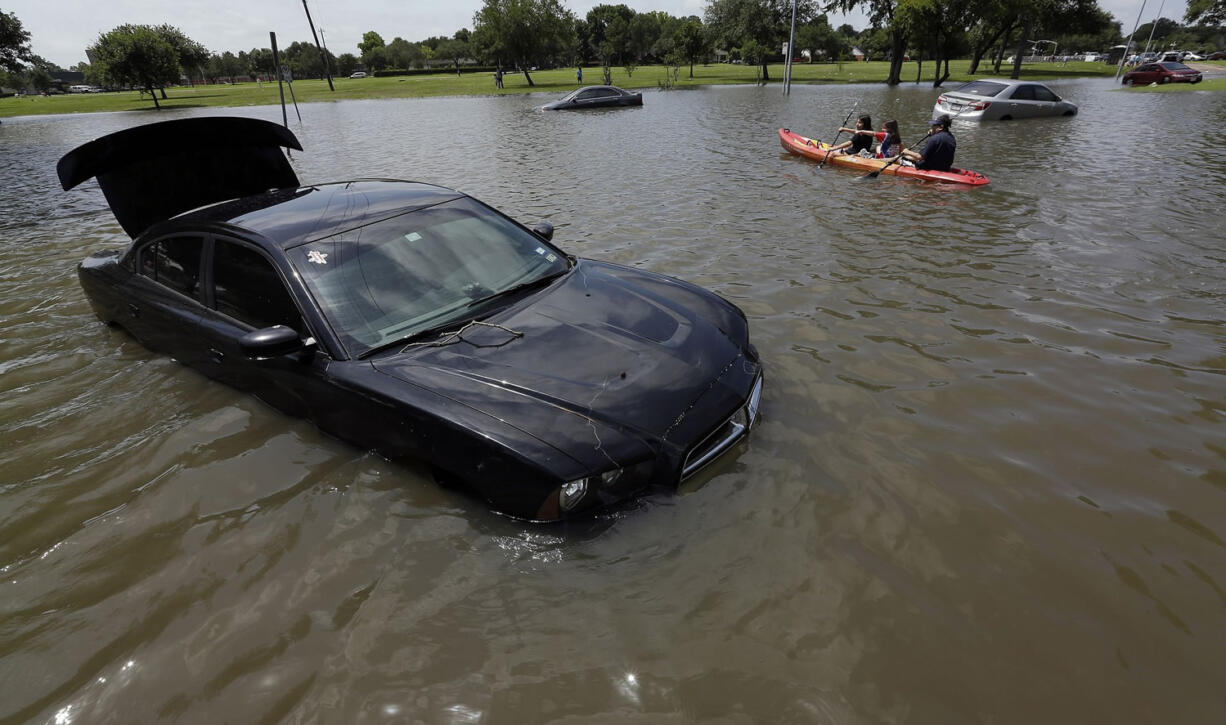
x: 938, y: 153
x: 862, y: 137
x: 891, y: 141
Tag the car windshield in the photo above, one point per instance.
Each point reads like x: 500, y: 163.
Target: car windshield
x: 393, y: 279
x: 986, y: 89
x: 1174, y: 66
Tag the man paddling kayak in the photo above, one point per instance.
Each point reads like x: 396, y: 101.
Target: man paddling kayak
x: 938, y: 153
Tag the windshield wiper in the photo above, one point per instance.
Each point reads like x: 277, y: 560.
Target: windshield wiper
x: 538, y: 282
x: 406, y: 339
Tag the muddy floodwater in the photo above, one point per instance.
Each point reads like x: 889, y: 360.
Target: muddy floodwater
x: 989, y: 484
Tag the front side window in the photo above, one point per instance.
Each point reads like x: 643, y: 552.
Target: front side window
x: 428, y: 268
x: 247, y: 287
x: 1023, y: 93
x: 1045, y: 94
x: 174, y: 263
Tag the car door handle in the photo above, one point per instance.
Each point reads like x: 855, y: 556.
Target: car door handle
x: 216, y: 355
x: 133, y: 310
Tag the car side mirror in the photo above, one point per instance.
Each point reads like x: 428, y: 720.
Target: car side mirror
x: 270, y: 342
x: 544, y: 230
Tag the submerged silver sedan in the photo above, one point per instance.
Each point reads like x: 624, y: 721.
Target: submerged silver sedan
x: 1002, y: 99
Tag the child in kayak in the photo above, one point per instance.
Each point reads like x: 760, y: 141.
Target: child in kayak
x: 891, y: 141
x: 862, y: 137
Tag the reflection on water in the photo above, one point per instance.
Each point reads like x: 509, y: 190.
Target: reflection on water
x: 988, y: 485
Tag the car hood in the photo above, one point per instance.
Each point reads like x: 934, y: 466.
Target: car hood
x: 630, y: 349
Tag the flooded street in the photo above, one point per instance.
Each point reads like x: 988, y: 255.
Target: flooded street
x: 989, y: 484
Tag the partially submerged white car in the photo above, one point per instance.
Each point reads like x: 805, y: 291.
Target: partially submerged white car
x: 1001, y: 99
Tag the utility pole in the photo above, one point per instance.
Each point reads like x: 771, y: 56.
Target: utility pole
x: 787, y: 74
x: 1128, y: 46
x: 1154, y: 27
x: 322, y: 55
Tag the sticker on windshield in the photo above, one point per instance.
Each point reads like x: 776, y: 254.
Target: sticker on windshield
x: 317, y: 257
x: 540, y: 250
x: 412, y: 236
x: 551, y: 257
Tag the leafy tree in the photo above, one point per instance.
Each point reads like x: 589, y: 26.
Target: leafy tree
x: 136, y: 56
x: 192, y: 56
x: 375, y: 58
x: 644, y: 32
x: 39, y: 78
x: 260, y: 61
x: 608, y: 24
x: 525, y: 32
x: 370, y: 41
x: 939, y: 27
x: 401, y: 53
x: 692, y: 43
x: 1206, y: 12
x: 14, y: 43
x: 881, y: 15
x: 765, y: 22
x: 817, y: 36
x: 452, y: 51
x: 346, y: 63
x: 303, y: 60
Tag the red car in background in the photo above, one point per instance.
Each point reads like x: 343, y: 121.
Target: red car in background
x: 1167, y: 72
x: 1219, y: 55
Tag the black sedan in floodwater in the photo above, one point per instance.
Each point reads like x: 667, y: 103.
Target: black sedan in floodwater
x: 595, y: 97
x: 415, y: 320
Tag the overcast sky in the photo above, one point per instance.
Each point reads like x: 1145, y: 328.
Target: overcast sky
x: 60, y: 29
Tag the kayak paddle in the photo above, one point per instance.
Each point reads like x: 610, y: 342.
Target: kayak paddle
x: 836, y: 135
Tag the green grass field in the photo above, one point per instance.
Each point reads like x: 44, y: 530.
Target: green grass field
x: 553, y: 82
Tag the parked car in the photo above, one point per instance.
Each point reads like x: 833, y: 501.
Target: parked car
x: 1166, y: 72
x: 357, y: 74
x: 595, y: 97
x: 415, y: 320
x: 1003, y: 99
x: 1189, y: 55
x: 1217, y: 55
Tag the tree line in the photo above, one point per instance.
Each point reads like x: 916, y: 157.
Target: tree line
x: 521, y: 35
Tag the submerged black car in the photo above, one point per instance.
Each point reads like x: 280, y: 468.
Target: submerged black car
x: 415, y: 320
x: 595, y: 97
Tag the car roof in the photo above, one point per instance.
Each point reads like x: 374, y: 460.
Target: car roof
x: 1007, y: 82
x: 289, y: 217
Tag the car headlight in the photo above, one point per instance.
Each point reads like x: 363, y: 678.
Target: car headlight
x: 571, y: 494
x: 755, y: 400
x: 568, y: 496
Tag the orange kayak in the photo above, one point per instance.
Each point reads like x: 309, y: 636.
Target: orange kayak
x: 816, y: 150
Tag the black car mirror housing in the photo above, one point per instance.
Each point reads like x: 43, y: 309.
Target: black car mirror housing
x: 544, y: 230
x: 270, y: 342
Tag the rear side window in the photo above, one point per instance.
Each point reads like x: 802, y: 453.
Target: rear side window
x: 174, y: 263
x: 247, y: 287
x: 987, y: 89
